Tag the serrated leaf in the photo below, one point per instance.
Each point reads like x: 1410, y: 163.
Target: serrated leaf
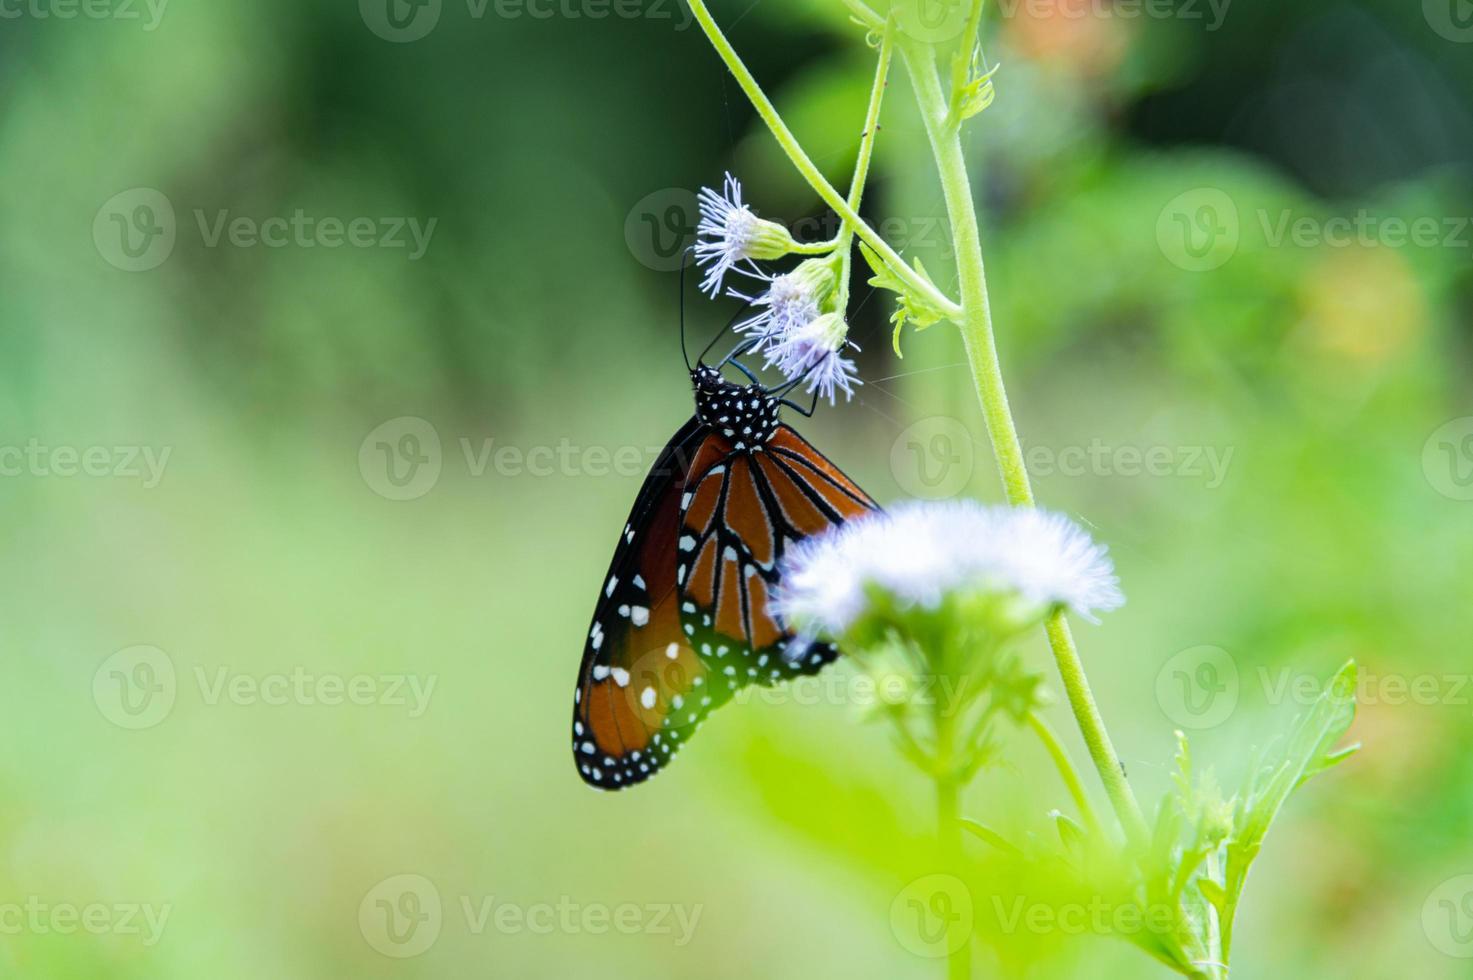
x: 1309, y: 750
x: 978, y: 94
x: 910, y: 307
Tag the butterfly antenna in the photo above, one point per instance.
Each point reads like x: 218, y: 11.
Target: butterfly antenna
x: 683, y: 352
x: 717, y: 339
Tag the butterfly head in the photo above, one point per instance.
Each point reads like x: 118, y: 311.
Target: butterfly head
x: 745, y: 414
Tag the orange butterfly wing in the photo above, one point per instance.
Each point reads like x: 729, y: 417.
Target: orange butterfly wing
x: 739, y: 516
x: 641, y: 688
x: 685, y: 618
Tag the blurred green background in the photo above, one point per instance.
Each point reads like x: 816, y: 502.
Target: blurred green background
x: 303, y: 521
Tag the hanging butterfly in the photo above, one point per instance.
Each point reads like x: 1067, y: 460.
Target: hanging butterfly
x: 685, y: 619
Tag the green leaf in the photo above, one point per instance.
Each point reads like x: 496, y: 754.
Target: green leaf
x: 1308, y: 751
x: 910, y: 306
x: 978, y: 94
x: 986, y: 834
x: 1071, y: 834
x: 1212, y: 891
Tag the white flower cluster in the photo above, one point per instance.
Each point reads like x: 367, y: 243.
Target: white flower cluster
x: 922, y: 551
x: 790, y: 328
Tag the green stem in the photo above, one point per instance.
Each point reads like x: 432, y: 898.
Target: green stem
x: 1092, y: 727
x: 977, y: 333
x: 961, y: 64
x: 1065, y: 765
x: 865, y: 14
x: 845, y: 240
x: 948, y: 822
x: 808, y: 170
x: 976, y: 320
x: 816, y: 248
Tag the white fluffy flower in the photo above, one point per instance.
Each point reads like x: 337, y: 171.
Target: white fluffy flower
x: 920, y: 552
x: 790, y: 301
x: 812, y: 353
x: 729, y: 236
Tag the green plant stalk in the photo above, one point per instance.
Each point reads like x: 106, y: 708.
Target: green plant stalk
x: 948, y: 819
x: 1065, y: 765
x: 1092, y: 727
x: 806, y: 167
x: 816, y: 248
x: 961, y: 63
x: 975, y: 319
x: 864, y: 14
x: 1219, y: 933
x: 977, y: 334
x: 844, y: 246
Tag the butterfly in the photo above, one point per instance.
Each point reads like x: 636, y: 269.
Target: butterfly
x: 685, y: 618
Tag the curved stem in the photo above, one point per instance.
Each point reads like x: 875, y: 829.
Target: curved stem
x: 815, y: 248
x: 866, y: 15
x: 1092, y: 727
x: 1065, y: 765
x: 961, y: 64
x: 976, y: 320
x: 808, y: 170
x: 976, y: 328
x: 845, y: 240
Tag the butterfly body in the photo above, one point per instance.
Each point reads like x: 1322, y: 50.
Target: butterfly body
x: 747, y: 415
x: 685, y: 618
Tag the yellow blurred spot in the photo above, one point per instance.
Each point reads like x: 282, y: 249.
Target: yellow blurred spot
x: 1362, y: 304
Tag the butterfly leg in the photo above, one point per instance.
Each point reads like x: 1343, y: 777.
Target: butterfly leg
x: 745, y: 347
x: 746, y: 370
x: 805, y: 412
